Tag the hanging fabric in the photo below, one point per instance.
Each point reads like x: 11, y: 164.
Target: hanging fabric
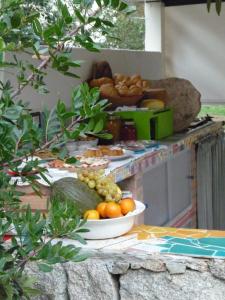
x: 211, y: 182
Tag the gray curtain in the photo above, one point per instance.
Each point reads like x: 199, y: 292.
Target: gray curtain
x: 211, y: 182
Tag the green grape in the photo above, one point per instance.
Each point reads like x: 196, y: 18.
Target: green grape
x: 117, y: 197
x: 104, y: 192
x: 100, y: 191
x: 101, y: 172
x: 86, y: 179
x: 85, y: 173
x: 96, y: 177
x: 111, y: 191
x: 91, y: 184
x: 91, y: 175
x: 108, y: 197
x: 81, y: 177
x: 98, y: 186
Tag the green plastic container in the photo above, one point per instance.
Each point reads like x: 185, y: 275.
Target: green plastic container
x: 150, y: 124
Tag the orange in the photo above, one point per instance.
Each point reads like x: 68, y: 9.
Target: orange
x: 113, y: 210
x: 101, y: 209
x: 91, y: 214
x: 127, y: 205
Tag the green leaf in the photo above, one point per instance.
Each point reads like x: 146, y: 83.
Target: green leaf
x: 107, y: 23
x: 106, y: 2
x: 130, y: 9
x: 61, y: 107
x: 90, y: 125
x: 82, y: 230
x: 16, y: 20
x: 45, y: 268
x: 33, y: 16
x: 80, y: 258
x: 218, y: 6
x: 37, y: 27
x: 106, y: 136
x: 115, y: 3
x: 79, y: 16
x: 71, y: 160
x: 71, y: 74
x: 77, y: 237
x: 98, y: 23
x: 74, y: 135
x: 63, y: 153
x: 66, y: 15
x: 99, y: 3
x: 75, y: 63
x: 208, y: 5
x: 123, y: 6
x: 99, y: 126
x: 2, y: 44
x: 31, y: 291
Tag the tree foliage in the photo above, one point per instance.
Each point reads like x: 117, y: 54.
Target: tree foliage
x: 49, y: 38
x: 218, y: 5
x: 128, y: 31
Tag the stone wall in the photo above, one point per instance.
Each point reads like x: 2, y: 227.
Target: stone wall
x: 126, y: 277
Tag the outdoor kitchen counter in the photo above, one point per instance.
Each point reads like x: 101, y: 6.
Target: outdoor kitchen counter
x: 130, y: 269
x: 165, y: 179
x: 168, y: 147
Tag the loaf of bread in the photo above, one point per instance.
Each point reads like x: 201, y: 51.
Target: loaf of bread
x: 108, y: 90
x: 100, y: 81
x: 121, y: 85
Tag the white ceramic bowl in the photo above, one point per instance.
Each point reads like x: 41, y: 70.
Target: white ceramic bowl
x: 72, y: 147
x: 111, y: 228
x: 83, y: 145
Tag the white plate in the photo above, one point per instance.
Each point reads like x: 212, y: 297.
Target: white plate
x: 126, y: 154
x: 111, y: 228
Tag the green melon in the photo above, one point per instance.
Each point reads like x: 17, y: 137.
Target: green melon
x: 72, y: 189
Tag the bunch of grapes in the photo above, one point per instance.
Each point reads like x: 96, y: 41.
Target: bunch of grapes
x: 104, y: 185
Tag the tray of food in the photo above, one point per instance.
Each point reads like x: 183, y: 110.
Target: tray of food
x: 108, y: 152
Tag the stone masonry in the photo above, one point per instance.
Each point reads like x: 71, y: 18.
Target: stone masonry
x: 114, y: 276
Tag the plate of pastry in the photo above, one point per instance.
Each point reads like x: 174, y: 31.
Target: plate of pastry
x: 109, y: 152
x: 82, y: 163
x: 93, y: 163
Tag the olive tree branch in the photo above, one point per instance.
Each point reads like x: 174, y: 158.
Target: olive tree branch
x: 47, y: 60
x: 45, y: 145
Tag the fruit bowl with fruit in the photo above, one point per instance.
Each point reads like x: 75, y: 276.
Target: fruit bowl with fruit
x: 112, y: 227
x: 97, y: 198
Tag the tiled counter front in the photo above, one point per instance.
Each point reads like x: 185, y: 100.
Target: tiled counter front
x: 130, y: 173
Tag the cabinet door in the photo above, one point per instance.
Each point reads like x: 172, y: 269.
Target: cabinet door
x: 167, y: 189
x: 179, y: 183
x: 155, y: 193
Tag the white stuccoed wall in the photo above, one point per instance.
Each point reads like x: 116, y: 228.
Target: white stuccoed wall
x: 195, y: 49
x: 148, y: 64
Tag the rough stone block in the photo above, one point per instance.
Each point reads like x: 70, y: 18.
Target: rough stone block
x: 90, y: 280
x: 144, y: 285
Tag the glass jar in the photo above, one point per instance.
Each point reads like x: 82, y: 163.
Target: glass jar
x: 128, y: 131
x: 114, y: 126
